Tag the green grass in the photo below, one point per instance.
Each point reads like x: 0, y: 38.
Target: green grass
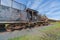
x: 48, y: 33
x: 53, y: 27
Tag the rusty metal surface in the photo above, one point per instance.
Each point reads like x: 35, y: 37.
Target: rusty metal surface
x: 11, y: 11
x: 7, y: 14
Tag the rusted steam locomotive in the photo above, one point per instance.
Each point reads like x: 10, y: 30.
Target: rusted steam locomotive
x: 14, y: 16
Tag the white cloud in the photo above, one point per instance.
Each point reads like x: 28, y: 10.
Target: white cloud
x: 35, y: 4
x: 44, y: 5
x: 28, y: 3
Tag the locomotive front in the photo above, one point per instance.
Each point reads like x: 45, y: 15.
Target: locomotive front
x: 12, y: 14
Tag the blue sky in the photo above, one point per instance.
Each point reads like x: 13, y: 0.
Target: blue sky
x: 51, y: 8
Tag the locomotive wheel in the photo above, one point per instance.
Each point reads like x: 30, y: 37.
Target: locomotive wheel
x: 18, y: 27
x: 9, y: 28
x: 23, y: 26
x: 41, y: 25
x: 36, y: 25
